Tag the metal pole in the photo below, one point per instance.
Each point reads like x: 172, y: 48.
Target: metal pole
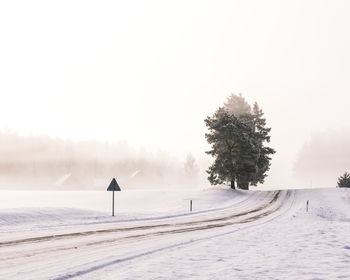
x: 113, y: 205
x: 191, y: 205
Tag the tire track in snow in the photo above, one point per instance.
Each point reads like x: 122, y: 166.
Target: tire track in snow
x: 186, y: 243
x: 136, y: 228
x: 182, y: 228
x: 216, y: 223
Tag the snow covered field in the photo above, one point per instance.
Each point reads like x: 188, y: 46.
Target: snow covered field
x: 229, y: 234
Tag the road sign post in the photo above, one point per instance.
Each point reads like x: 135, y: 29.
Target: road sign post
x: 113, y: 186
x: 113, y: 204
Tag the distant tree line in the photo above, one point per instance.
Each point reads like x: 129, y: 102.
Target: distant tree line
x: 323, y: 158
x: 41, y: 161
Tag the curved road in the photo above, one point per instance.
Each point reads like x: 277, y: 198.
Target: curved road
x: 89, y: 250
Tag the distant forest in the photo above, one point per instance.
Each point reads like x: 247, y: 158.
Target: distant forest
x: 323, y: 159
x: 45, y: 162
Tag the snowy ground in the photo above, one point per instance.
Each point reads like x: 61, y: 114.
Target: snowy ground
x: 229, y: 235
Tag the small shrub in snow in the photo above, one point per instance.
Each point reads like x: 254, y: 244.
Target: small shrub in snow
x: 344, y: 181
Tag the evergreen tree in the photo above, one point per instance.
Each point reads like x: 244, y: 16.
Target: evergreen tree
x: 235, y: 149
x: 237, y: 105
x: 344, y: 181
x: 263, y: 135
x: 191, y: 168
x: 237, y: 137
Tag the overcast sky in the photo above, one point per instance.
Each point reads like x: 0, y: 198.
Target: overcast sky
x: 149, y: 72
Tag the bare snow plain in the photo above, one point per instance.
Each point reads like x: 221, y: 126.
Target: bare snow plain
x: 228, y: 235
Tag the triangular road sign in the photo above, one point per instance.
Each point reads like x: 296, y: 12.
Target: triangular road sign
x: 113, y: 186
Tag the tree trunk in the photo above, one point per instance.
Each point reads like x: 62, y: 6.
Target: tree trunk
x: 233, y: 184
x: 245, y: 186
x: 242, y: 184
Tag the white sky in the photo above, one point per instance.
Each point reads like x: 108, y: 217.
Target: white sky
x: 149, y: 72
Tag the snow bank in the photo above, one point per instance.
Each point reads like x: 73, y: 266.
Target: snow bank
x: 327, y: 204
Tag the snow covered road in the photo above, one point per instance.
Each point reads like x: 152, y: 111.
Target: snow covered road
x: 121, y: 248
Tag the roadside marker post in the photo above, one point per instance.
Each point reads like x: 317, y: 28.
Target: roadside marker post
x: 113, y: 186
x: 191, y: 205
x: 307, y: 206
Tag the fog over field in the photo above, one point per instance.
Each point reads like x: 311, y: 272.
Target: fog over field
x: 92, y: 90
x: 188, y: 139
x: 41, y: 162
x: 324, y: 157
